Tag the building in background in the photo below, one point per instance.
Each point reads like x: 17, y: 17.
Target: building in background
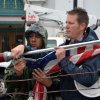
x: 65, y: 5
x: 11, y: 23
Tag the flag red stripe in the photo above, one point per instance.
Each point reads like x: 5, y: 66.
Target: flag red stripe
x: 86, y: 55
x: 81, y: 49
x: 83, y: 57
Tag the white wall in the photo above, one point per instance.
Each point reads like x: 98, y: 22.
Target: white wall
x: 92, y: 6
x: 64, y: 5
x: 49, y: 4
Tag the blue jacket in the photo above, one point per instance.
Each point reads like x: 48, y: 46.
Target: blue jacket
x: 91, y: 65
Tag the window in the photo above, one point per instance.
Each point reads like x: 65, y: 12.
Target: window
x: 1, y: 4
x: 19, y: 4
x: 11, y: 4
x: 36, y: 0
x: 51, y: 43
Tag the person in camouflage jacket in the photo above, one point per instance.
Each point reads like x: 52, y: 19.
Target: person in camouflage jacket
x: 36, y: 37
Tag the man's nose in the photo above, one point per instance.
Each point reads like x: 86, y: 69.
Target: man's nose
x: 67, y: 25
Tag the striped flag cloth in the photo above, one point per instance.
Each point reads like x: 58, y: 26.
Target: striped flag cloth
x: 76, y: 55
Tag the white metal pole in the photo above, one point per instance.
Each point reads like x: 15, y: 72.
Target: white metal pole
x: 67, y: 47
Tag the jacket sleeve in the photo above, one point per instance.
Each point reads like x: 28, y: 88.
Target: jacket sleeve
x: 55, y: 82
x: 12, y: 86
x: 5, y: 56
x: 91, y: 65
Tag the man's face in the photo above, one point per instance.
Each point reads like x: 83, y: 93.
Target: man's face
x: 73, y: 28
x: 35, y: 41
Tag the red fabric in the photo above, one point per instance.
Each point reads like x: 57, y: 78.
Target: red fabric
x: 1, y: 57
x: 81, y: 49
x: 40, y: 92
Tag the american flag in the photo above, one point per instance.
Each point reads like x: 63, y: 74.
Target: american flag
x: 50, y: 63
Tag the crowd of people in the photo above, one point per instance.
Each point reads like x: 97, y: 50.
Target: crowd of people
x: 77, y: 31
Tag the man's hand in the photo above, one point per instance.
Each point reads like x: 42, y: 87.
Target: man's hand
x: 60, y: 53
x: 19, y: 67
x: 41, y: 77
x: 17, y: 51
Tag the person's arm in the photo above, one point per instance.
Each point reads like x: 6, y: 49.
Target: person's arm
x: 17, y: 51
x: 18, y: 74
x: 90, y: 65
x: 19, y: 67
x: 41, y: 77
x: 5, y: 56
x: 11, y: 86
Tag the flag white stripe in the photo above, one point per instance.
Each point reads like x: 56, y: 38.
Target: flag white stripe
x: 75, y: 58
x: 36, y: 93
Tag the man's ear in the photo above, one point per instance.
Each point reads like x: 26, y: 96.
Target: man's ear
x: 82, y: 26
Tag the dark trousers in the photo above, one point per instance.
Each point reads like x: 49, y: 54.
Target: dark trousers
x: 98, y: 98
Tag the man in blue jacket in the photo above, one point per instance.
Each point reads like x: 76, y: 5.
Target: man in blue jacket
x: 77, y: 31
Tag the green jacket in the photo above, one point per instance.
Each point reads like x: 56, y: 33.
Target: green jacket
x: 27, y: 86
x: 23, y: 87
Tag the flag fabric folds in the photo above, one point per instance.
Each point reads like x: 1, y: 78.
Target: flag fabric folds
x: 50, y: 65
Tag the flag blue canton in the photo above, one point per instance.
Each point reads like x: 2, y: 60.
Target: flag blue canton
x: 42, y: 62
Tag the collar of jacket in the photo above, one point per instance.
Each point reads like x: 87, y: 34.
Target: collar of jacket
x: 90, y: 35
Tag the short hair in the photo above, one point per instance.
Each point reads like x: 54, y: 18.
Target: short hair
x: 82, y: 15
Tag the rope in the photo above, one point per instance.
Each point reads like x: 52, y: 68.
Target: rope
x: 50, y: 77
x: 21, y: 93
